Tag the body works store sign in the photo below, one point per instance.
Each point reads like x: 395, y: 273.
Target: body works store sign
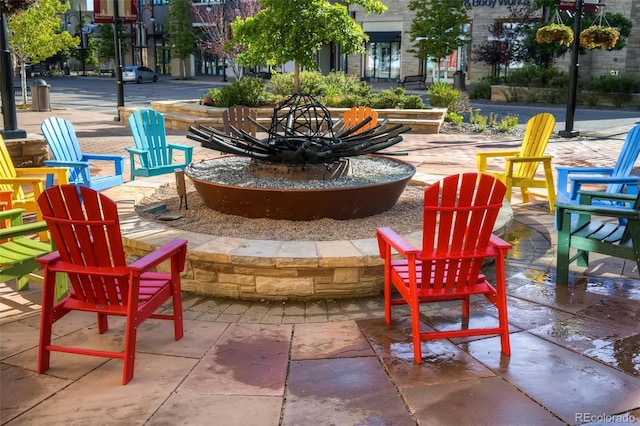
x: 104, y: 11
x: 494, y: 3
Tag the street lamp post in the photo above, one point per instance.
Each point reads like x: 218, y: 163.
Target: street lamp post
x: 118, y: 60
x: 573, y: 76
x: 83, y: 36
x: 9, y: 116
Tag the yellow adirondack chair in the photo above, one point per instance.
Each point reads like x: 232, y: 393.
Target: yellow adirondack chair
x: 521, y: 166
x: 26, y: 184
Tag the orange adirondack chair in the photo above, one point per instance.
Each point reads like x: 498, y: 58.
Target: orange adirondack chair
x: 459, y: 216
x: 85, y: 227
x: 521, y: 166
x: 357, y: 115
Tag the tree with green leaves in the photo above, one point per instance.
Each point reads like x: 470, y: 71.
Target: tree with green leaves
x: 437, y: 28
x: 181, y: 38
x: 104, y: 44
x: 295, y: 30
x: 35, y: 35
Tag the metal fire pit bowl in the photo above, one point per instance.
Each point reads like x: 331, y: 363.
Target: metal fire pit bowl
x: 303, y: 204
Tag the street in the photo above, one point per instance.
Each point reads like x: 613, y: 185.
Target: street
x: 99, y: 94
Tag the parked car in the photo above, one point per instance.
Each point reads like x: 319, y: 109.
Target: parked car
x: 138, y: 74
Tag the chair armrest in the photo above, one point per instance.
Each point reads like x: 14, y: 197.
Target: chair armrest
x: 137, y: 151
x: 529, y: 159
x: 587, y: 197
x: 23, y: 229
x: 585, y: 170
x: 158, y: 256
x: 498, y: 154
x: 61, y: 163
x: 181, y: 147
x: 499, y: 243
x: 481, y: 157
x: 48, y: 258
x: 606, y: 211
x: 387, y: 236
x: 60, y: 173
x: 102, y: 157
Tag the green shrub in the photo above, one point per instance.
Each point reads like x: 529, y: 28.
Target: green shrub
x: 312, y: 83
x: 535, y: 76
x: 281, y: 84
x: 482, y: 90
x: 443, y: 95
x: 395, y: 98
x: 618, y: 89
x: 478, y: 119
x: 508, y: 123
x: 248, y: 92
x: 338, y: 83
x: 453, y: 118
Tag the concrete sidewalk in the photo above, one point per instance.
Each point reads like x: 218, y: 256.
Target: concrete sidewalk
x: 574, y: 360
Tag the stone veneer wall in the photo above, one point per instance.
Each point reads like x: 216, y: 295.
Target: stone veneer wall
x: 29, y: 152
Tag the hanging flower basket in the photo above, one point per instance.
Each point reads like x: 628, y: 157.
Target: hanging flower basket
x: 12, y: 6
x: 555, y: 33
x: 599, y: 36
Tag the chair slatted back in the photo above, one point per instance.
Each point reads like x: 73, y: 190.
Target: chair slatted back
x: 8, y: 170
x: 459, y: 215
x: 149, y: 134
x: 357, y: 114
x: 626, y: 159
x: 63, y: 143
x: 536, y: 137
x: 85, y: 228
x: 237, y: 116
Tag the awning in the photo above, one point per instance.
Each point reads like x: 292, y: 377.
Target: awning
x: 382, y: 36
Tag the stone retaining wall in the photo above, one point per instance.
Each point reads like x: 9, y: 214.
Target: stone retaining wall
x: 31, y: 151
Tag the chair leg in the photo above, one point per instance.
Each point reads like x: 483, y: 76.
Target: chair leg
x: 103, y: 323
x: 501, y: 304
x: 525, y: 195
x: 387, y: 300
x: 46, y: 323
x: 465, y: 307
x: 23, y: 282
x: 129, y: 351
x: 178, y: 327
x: 551, y: 190
x: 415, y: 331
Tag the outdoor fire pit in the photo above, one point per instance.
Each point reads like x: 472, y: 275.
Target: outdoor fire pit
x: 307, y: 168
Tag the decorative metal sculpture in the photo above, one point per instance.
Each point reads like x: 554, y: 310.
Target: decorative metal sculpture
x: 302, y: 132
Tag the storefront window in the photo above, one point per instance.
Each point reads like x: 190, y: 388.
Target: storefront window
x: 382, y: 60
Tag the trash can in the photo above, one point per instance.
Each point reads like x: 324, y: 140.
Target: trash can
x: 458, y: 80
x: 40, y: 95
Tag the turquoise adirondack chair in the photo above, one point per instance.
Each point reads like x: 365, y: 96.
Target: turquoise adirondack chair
x: 152, y: 154
x: 63, y: 142
x: 617, y: 178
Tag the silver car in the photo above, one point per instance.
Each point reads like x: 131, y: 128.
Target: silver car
x: 138, y: 74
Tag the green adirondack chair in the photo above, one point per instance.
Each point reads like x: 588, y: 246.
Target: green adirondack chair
x: 598, y: 229
x: 19, y: 251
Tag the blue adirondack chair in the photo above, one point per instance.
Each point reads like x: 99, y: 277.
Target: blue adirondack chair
x: 152, y: 155
x: 571, y: 179
x: 63, y: 142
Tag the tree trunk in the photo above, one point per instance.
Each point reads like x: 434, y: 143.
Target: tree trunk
x: 296, y: 77
x: 23, y: 81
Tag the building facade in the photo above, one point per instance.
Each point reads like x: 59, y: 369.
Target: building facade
x: 387, y: 55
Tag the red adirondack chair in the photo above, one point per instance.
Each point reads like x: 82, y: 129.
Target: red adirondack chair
x: 85, y: 227
x: 459, y: 216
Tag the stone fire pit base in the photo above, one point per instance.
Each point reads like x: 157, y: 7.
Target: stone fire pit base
x: 262, y: 269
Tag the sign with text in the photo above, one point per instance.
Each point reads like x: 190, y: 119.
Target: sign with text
x: 104, y: 10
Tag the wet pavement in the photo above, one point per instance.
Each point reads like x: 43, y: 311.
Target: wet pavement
x: 575, y: 349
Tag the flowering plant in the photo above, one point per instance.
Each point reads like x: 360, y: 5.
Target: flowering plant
x: 13, y: 6
x: 555, y: 33
x: 598, y: 36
